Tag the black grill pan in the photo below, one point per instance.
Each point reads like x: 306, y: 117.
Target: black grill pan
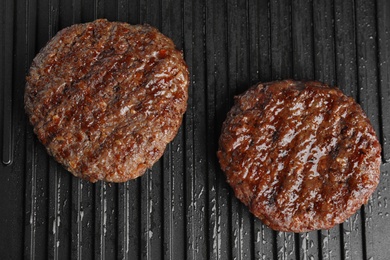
x: 182, y: 208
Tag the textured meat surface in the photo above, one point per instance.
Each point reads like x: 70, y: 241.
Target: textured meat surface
x: 105, y: 98
x: 301, y: 155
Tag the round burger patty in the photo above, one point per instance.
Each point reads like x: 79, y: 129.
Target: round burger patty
x: 301, y: 155
x: 105, y: 98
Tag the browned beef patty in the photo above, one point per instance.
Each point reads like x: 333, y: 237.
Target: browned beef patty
x: 105, y: 98
x: 301, y: 155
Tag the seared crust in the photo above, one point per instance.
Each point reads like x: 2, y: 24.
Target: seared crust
x: 301, y: 155
x: 105, y: 98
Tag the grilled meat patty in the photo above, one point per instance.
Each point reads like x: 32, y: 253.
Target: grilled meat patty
x: 301, y: 155
x: 105, y: 98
